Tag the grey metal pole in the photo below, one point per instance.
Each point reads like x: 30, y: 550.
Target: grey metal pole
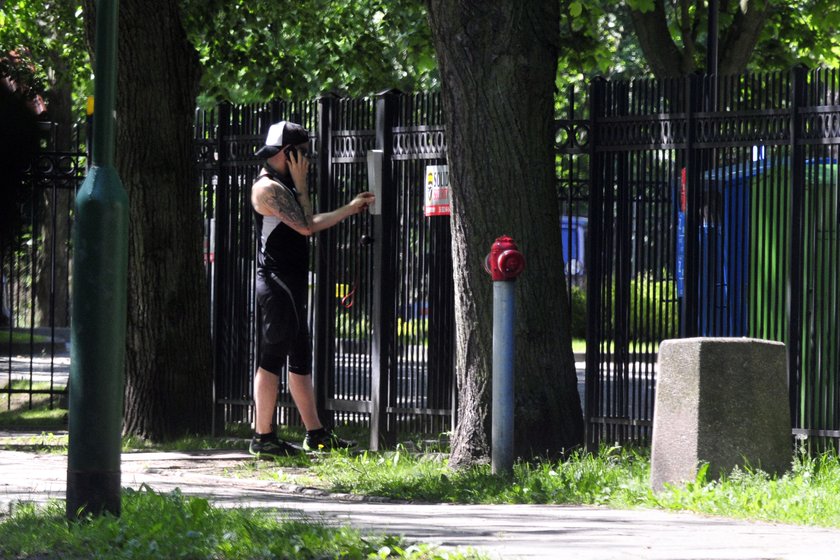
x: 504, y: 318
x: 504, y: 263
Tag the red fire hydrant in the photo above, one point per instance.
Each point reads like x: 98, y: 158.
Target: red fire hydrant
x: 504, y: 263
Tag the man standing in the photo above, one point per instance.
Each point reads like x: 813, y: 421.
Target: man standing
x: 284, y: 219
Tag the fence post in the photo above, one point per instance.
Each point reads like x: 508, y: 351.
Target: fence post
x: 798, y: 80
x: 624, y: 224
x: 383, y: 362
x: 595, y: 277
x: 221, y: 367
x: 694, y: 192
x: 324, y: 335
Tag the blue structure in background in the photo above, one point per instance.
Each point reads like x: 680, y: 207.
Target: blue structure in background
x: 573, y: 240
x: 724, y: 238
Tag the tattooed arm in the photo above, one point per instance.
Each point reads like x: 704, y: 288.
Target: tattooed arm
x: 272, y: 199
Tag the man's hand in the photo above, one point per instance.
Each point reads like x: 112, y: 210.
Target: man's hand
x: 298, y: 169
x: 362, y: 202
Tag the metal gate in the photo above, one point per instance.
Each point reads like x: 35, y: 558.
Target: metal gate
x: 381, y: 303
x: 35, y: 267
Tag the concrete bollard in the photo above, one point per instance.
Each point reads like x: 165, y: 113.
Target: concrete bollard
x: 721, y: 401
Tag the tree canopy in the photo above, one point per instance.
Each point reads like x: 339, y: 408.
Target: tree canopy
x: 754, y: 35
x: 48, y: 37
x: 258, y: 50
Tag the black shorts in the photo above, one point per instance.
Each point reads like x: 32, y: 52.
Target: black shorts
x: 285, y: 331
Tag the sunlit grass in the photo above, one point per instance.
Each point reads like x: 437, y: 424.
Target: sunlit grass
x: 171, y: 525
x: 806, y: 494
x: 614, y: 477
x: 23, y: 409
x: 637, y: 347
x: 21, y: 337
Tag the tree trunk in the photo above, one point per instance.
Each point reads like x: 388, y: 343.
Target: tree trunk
x: 667, y: 60
x: 498, y: 63
x: 738, y: 43
x: 51, y: 297
x: 168, y: 368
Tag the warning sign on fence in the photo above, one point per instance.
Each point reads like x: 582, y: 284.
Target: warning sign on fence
x: 437, y: 190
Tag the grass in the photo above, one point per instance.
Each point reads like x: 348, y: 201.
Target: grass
x: 639, y: 347
x: 40, y: 412
x: 155, y: 525
x: 21, y: 337
x: 614, y: 477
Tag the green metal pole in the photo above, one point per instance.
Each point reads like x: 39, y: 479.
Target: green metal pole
x: 100, y: 264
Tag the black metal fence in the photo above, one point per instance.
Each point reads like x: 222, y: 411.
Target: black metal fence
x: 714, y: 212
x: 381, y: 298
x: 690, y: 207
x: 35, y: 268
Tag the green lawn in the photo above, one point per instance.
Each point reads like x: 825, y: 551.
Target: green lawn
x: 579, y: 346
x: 416, y: 470
x: 170, y: 525
x: 21, y: 337
x: 39, y: 412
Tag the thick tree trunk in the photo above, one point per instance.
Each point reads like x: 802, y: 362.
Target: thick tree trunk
x: 168, y: 367
x: 498, y: 64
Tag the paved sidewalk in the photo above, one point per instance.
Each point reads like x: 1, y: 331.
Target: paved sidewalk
x: 503, y: 531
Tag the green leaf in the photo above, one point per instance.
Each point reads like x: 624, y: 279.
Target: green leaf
x: 575, y: 9
x: 641, y: 5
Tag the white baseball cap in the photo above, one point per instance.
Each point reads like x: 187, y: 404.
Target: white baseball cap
x: 283, y: 133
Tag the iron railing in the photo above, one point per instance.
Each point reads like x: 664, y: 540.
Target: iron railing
x: 382, y: 303
x: 35, y: 267
x: 713, y: 212
x: 690, y: 208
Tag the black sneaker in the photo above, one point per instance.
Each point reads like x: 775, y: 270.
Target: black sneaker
x: 271, y: 448
x: 325, y: 440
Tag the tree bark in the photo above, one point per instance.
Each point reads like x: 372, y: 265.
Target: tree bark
x: 498, y: 65
x: 169, y: 380
x: 739, y: 41
x: 668, y: 60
